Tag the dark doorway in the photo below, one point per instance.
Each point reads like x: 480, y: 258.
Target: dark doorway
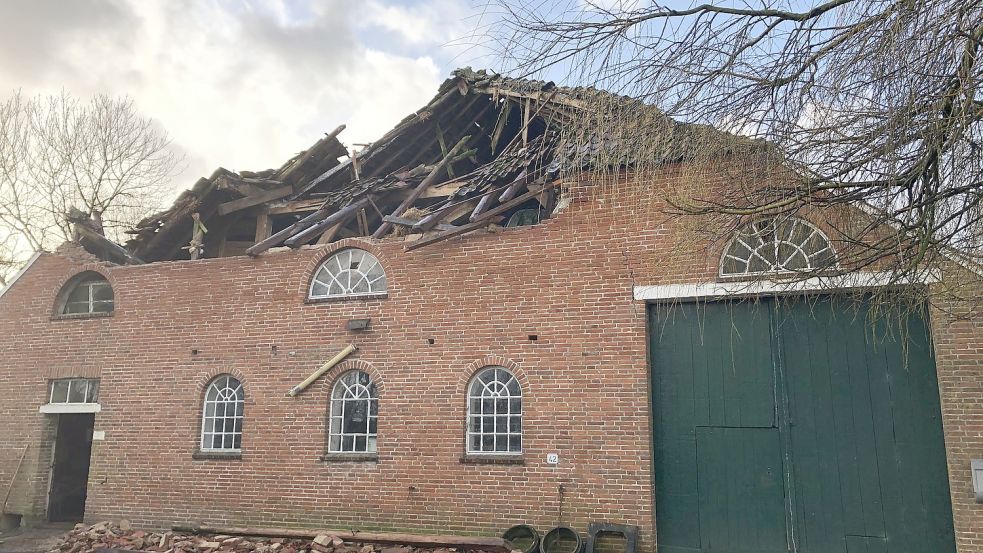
x: 70, y: 469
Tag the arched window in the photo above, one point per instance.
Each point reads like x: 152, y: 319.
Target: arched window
x: 494, y: 412
x: 88, y: 293
x: 770, y: 246
x: 221, y: 426
x: 349, y: 273
x: 354, y: 414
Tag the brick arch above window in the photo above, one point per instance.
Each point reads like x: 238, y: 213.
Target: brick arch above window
x: 327, y: 381
x: 327, y: 253
x: 100, y: 298
x: 204, y: 378
x: 472, y: 369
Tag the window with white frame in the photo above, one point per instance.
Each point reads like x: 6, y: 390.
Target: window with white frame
x: 73, y: 390
x: 354, y: 414
x: 221, y: 426
x: 349, y: 273
x: 773, y: 246
x: 89, y: 295
x: 494, y: 412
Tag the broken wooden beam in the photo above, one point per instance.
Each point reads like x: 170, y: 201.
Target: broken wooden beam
x: 302, y: 158
x: 494, y: 545
x: 448, y: 212
x: 279, y: 237
x: 253, y: 200
x: 482, y: 221
x: 407, y: 222
x: 514, y: 187
x: 421, y: 188
x: 107, y: 244
x: 323, y: 225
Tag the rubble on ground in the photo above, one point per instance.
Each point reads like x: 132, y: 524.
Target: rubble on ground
x: 108, y: 535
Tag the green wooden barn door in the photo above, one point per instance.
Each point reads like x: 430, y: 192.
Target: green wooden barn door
x: 718, y: 455
x: 865, y: 431
x: 796, y: 427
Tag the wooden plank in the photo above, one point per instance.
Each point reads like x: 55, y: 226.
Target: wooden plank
x: 449, y: 213
x: 407, y: 222
x: 279, y: 237
x: 250, y: 201
x: 495, y: 545
x: 297, y: 206
x: 318, y: 227
x: 513, y: 188
x: 443, y: 190
x: 303, y: 158
x: 475, y: 225
x: 264, y: 226
x: 421, y: 188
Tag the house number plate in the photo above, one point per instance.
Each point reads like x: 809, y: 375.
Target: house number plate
x: 552, y: 458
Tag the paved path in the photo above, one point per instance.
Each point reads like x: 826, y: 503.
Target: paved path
x: 37, y: 539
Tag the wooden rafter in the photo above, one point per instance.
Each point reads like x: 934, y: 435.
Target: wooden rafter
x: 421, y: 188
x: 481, y: 222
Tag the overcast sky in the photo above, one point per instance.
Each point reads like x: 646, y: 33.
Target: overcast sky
x: 242, y: 84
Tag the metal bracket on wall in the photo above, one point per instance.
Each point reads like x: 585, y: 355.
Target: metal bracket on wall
x: 596, y: 529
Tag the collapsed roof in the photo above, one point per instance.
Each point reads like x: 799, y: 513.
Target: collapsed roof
x: 485, y: 150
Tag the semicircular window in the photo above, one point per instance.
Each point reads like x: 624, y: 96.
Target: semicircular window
x: 89, y: 294
x: 771, y: 246
x: 349, y: 273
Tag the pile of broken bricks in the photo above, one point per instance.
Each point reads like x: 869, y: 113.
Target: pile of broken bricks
x: 122, y: 537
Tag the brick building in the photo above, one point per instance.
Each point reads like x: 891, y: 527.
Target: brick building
x: 553, y: 355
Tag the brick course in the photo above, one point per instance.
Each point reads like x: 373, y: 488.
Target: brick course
x: 568, y: 280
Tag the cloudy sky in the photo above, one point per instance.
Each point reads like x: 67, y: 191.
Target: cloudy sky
x: 242, y: 84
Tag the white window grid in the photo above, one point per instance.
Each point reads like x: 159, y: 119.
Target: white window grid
x: 74, y: 390
x: 222, y: 415
x: 494, y: 413
x: 91, y: 296
x: 769, y: 246
x: 349, y: 273
x: 354, y: 418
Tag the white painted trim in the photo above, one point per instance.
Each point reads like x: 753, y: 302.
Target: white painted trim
x: 776, y: 287
x: 66, y: 408
x: 20, y: 273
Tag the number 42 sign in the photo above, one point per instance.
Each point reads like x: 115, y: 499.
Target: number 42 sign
x: 552, y: 458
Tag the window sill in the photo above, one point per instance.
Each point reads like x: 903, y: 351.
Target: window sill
x: 74, y: 316
x: 349, y: 458
x: 377, y: 296
x: 492, y: 459
x: 206, y: 454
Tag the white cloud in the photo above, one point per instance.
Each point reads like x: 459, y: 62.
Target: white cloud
x: 244, y: 85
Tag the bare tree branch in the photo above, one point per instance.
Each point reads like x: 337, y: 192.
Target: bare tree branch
x: 57, y: 153
x: 846, y: 104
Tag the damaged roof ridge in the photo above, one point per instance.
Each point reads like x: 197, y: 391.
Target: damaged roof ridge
x: 525, y: 133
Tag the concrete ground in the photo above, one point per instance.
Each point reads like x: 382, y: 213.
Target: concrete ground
x: 36, y: 539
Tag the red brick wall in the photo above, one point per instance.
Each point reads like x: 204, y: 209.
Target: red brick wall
x: 585, y: 380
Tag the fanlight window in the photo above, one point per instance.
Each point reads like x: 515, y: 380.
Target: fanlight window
x: 771, y: 246
x: 354, y: 414
x: 350, y: 272
x: 221, y: 427
x: 90, y: 295
x: 494, y: 412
